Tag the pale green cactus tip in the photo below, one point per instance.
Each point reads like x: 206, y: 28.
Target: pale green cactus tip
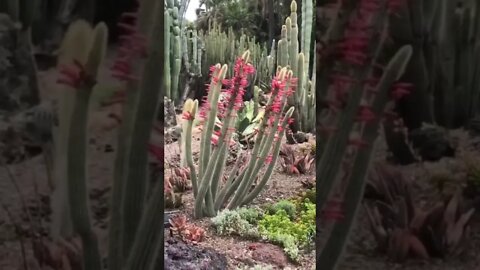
x: 190, y: 109
x: 293, y: 6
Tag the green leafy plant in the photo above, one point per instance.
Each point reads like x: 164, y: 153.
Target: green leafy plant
x: 250, y: 214
x: 292, y: 234
x: 248, y: 121
x: 285, y: 205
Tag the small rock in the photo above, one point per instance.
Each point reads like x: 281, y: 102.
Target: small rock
x: 179, y: 255
x: 173, y: 134
x: 432, y: 143
x: 299, y: 137
x: 169, y: 113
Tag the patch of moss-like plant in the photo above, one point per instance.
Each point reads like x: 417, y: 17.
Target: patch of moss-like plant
x: 285, y: 205
x: 252, y: 215
x: 291, y: 233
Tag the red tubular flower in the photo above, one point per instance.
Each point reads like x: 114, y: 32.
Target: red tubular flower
x: 132, y: 45
x: 72, y: 75
x: 236, y: 85
x: 333, y: 210
x: 365, y: 114
x: 400, y: 90
x: 269, y: 159
x: 355, y: 58
x: 214, y: 140
x: 271, y: 120
x: 187, y: 116
x: 157, y: 152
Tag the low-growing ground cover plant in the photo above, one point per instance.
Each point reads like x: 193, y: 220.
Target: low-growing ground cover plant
x: 288, y: 223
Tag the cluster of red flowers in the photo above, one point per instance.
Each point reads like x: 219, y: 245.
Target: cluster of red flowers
x: 233, y: 92
x: 281, y: 94
x: 73, y: 75
x: 133, y: 45
x: 354, y: 50
x: 333, y: 210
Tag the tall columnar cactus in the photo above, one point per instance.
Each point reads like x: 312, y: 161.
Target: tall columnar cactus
x: 355, y: 102
x: 222, y: 46
x: 174, y: 50
x: 80, y: 70
x: 139, y: 70
x: 136, y: 225
x: 210, y: 194
x: 297, y: 56
x: 456, y: 28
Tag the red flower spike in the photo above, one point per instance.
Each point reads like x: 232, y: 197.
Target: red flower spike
x: 157, y: 152
x: 73, y: 75
x: 127, y: 27
x: 214, y: 140
x: 333, y: 210
x: 187, y: 116
x: 365, y: 114
x: 269, y: 159
x: 399, y: 93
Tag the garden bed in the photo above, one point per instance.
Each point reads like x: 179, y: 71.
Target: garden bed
x: 242, y: 251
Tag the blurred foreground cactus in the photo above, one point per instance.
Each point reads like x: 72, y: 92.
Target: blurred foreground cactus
x: 439, y: 231
x: 355, y: 93
x: 211, y: 194
x: 136, y: 224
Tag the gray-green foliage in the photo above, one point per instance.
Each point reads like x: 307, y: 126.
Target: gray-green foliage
x: 236, y: 222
